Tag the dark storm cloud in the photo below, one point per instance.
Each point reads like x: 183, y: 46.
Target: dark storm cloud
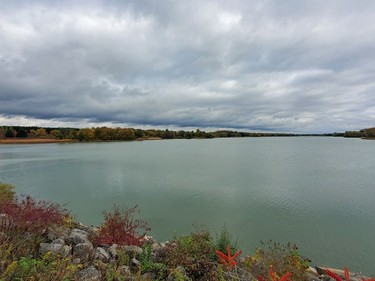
x: 303, y: 66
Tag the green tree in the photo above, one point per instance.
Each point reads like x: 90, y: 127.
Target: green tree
x: 10, y: 133
x: 86, y: 134
x: 22, y: 133
x: 56, y: 134
x: 41, y: 132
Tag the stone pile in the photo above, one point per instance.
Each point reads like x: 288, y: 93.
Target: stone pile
x: 76, y: 244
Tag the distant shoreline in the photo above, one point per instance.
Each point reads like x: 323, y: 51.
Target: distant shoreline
x: 42, y: 141
x: 48, y: 140
x: 33, y: 141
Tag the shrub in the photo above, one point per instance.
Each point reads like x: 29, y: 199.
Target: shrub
x: 147, y: 264
x: 28, y: 215
x: 223, y: 240
x: 122, y: 229
x: 194, y: 253
x: 282, y: 258
x: 6, y: 193
x: 23, y: 222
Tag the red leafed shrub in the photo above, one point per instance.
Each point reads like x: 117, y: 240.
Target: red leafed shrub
x: 26, y: 215
x: 122, y: 229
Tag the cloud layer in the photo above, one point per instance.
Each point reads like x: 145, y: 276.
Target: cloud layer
x: 296, y: 66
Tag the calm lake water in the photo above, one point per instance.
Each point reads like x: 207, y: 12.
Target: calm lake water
x: 317, y: 192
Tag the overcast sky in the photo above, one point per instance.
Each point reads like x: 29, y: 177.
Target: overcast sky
x: 286, y: 66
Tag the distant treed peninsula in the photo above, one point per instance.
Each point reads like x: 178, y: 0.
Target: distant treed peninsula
x: 365, y: 134
x: 129, y: 134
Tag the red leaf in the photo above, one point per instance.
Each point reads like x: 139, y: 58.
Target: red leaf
x: 347, y: 278
x: 221, y: 254
x: 272, y: 274
x: 333, y: 275
x: 285, y: 277
x: 228, y: 259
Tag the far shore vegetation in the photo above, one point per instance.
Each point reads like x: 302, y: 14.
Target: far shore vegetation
x: 33, y: 134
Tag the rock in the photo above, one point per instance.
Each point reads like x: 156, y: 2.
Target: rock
x: 57, y: 233
x: 312, y: 274
x: 311, y: 277
x: 89, y: 274
x: 101, y: 254
x: 178, y: 274
x: 149, y: 276
x: 91, y: 230
x: 77, y: 236
x: 57, y: 249
x: 155, y: 247
x: 112, y: 250
x: 132, y: 251
x: 312, y: 270
x: 136, y: 262
x: 124, y: 270
x: 148, y: 239
x: 58, y: 241
x: 83, y: 250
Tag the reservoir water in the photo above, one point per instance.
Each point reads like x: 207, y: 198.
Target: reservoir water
x: 317, y: 192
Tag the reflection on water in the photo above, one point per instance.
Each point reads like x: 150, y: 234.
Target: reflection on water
x: 316, y: 192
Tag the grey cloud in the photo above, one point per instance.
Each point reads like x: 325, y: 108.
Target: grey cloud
x: 284, y: 66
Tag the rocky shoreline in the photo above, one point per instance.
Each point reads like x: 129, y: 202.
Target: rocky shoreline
x: 77, y: 244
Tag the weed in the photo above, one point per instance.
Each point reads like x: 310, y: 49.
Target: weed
x: 147, y: 265
x: 283, y: 258
x: 193, y: 252
x: 122, y: 257
x: 225, y: 239
x: 48, y: 267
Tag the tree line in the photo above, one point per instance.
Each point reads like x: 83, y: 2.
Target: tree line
x: 368, y: 133
x: 111, y: 134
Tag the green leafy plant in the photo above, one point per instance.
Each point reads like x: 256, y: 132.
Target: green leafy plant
x: 147, y: 265
x: 47, y: 267
x: 122, y: 257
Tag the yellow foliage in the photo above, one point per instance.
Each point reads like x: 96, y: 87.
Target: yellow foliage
x: 10, y: 270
